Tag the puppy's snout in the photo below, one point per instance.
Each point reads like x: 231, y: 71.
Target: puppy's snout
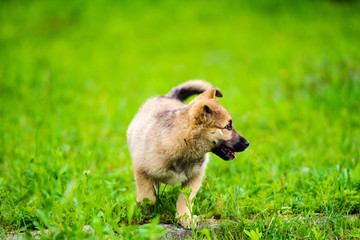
x: 241, y: 144
x: 246, y: 142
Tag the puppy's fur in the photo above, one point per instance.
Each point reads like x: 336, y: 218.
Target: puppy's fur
x: 169, y: 141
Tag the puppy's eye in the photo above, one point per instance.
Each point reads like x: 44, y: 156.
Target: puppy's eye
x: 229, y: 126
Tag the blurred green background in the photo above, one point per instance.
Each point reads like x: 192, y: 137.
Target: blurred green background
x: 73, y: 74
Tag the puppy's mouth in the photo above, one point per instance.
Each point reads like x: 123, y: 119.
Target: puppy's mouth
x: 224, y: 152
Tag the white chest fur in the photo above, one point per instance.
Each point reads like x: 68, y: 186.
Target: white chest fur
x: 180, y: 171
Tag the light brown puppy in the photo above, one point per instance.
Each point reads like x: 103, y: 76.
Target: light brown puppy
x: 169, y: 141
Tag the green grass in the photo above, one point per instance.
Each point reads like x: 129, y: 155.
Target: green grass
x: 72, y: 76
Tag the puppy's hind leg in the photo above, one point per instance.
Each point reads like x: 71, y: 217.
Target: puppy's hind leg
x: 144, y: 187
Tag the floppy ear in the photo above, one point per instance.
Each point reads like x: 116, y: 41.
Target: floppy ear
x: 211, y: 93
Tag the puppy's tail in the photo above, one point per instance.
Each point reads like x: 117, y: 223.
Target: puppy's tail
x: 189, y: 88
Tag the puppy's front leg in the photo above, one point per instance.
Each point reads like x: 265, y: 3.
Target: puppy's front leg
x: 144, y: 187
x: 183, y: 212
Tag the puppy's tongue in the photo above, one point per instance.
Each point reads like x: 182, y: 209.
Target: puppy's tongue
x: 233, y: 154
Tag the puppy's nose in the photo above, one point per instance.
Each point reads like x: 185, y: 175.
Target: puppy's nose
x: 246, y: 143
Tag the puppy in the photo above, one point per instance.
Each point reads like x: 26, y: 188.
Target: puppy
x: 169, y: 141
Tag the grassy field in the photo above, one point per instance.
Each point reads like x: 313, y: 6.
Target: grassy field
x: 72, y: 76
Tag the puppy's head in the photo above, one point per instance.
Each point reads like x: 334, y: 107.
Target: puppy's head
x: 217, y: 125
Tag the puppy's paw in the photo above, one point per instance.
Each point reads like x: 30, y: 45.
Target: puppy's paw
x: 187, y: 224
